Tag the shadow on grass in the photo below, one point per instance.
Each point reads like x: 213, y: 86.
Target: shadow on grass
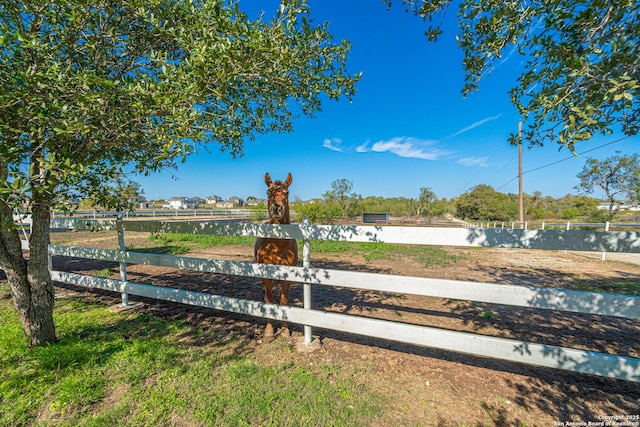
x: 555, y: 392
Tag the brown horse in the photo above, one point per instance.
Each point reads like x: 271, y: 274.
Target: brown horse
x: 277, y: 251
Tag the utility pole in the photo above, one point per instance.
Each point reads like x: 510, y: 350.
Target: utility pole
x: 520, y: 202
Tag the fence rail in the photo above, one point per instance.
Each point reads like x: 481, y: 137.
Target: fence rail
x: 621, y: 367
x: 161, y: 213
x: 555, y: 225
x: 523, y: 352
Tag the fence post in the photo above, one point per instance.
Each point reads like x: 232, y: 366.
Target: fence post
x: 306, y: 263
x: 123, y: 265
x: 606, y: 228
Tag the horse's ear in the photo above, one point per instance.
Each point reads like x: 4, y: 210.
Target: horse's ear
x: 289, y: 179
x: 267, y: 179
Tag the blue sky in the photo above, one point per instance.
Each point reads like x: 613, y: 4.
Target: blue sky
x: 408, y: 125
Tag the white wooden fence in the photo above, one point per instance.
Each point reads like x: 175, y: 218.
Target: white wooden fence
x: 626, y: 368
x: 555, y: 225
x: 163, y: 213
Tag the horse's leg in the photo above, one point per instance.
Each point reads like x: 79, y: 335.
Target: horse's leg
x: 269, y: 299
x: 284, y: 300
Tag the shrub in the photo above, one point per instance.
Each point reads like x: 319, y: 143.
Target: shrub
x: 570, y: 213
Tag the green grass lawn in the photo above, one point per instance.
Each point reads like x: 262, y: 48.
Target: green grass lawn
x: 625, y: 287
x: 134, y: 369
x: 430, y: 256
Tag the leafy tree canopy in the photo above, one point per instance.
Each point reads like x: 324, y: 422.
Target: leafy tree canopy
x: 341, y: 194
x: 581, y: 75
x: 426, y: 201
x: 484, y: 203
x: 89, y: 88
x: 617, y: 176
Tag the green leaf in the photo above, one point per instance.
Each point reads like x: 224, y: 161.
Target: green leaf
x: 142, y: 82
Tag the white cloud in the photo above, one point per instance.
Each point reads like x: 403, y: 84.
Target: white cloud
x: 474, y: 125
x: 401, y: 146
x: 333, y: 144
x: 363, y: 148
x: 474, y: 161
x: 407, y: 147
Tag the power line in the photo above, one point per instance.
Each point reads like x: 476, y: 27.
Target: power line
x: 498, y: 145
x: 502, y: 168
x: 562, y: 160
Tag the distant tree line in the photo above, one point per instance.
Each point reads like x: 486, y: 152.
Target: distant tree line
x: 481, y: 203
x: 617, y: 176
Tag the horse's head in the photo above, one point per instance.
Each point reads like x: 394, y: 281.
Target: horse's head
x: 278, y: 198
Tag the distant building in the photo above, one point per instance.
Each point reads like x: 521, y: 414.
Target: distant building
x: 142, y: 203
x: 231, y: 202
x: 255, y: 202
x: 214, y: 200
x: 185, y: 202
x: 620, y: 206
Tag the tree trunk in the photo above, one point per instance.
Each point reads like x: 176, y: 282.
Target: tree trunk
x: 39, y: 326
x: 30, y: 281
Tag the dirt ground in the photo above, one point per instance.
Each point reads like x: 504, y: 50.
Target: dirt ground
x: 423, y: 386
